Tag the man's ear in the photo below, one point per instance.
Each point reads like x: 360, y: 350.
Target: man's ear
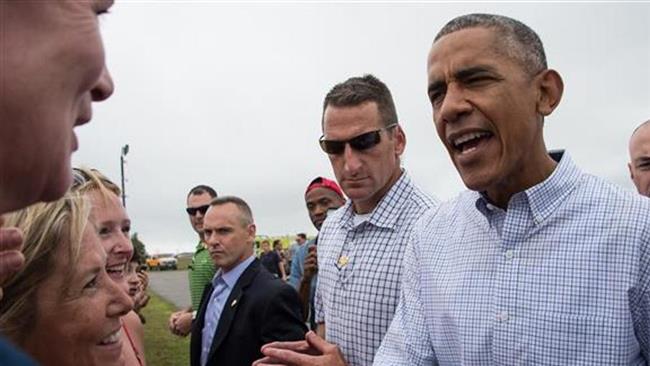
x: 629, y: 166
x: 251, y: 231
x: 400, y: 140
x: 551, y: 87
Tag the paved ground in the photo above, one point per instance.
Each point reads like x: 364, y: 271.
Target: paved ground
x: 172, y: 285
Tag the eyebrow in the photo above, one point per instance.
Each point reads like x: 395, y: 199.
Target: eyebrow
x: 643, y: 159
x: 462, y: 74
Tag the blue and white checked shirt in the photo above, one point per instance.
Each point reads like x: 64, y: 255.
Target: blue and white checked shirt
x: 560, y: 278
x: 222, y: 285
x: 357, y: 301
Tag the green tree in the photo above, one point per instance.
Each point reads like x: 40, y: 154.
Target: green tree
x: 138, y: 246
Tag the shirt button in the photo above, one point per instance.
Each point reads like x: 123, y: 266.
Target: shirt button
x: 503, y: 317
x: 509, y: 254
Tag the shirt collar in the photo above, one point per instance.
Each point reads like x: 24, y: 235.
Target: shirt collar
x: 231, y: 277
x: 386, y: 213
x: 544, y: 198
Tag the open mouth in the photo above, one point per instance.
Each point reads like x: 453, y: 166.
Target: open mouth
x: 133, y: 291
x: 470, y: 141
x: 116, y: 270
x: 111, y: 339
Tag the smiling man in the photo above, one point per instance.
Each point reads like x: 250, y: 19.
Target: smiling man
x: 538, y: 263
x: 244, y: 306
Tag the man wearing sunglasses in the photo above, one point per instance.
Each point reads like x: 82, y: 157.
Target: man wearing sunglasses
x: 360, y: 246
x: 202, y: 268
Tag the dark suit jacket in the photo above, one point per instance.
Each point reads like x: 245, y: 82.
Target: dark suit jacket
x: 260, y: 309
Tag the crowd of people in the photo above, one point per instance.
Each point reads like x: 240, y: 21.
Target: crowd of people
x: 537, y: 263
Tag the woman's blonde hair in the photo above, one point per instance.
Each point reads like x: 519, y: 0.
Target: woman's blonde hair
x: 49, y: 229
x: 85, y: 180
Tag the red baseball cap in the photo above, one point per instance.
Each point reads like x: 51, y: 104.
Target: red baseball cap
x: 320, y: 182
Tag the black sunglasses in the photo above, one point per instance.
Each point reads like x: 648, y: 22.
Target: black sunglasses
x: 193, y: 210
x: 359, y: 143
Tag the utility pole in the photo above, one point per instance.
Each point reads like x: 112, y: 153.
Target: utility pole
x: 125, y: 150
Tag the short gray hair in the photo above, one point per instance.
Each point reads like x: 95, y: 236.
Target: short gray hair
x: 520, y: 42
x: 244, y: 208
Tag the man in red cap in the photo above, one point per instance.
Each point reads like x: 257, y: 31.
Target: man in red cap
x: 321, y: 196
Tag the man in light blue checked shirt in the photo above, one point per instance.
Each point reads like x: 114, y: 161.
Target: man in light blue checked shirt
x: 361, y: 245
x: 539, y: 263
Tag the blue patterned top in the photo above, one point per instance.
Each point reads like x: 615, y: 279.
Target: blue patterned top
x: 560, y: 278
x: 357, y: 300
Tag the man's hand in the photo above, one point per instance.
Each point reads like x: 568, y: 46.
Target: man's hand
x: 180, y: 323
x: 11, y: 259
x: 172, y: 321
x: 313, y: 351
x: 310, y: 266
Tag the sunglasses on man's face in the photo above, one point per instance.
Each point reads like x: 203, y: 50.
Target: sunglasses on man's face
x: 361, y: 142
x: 193, y: 210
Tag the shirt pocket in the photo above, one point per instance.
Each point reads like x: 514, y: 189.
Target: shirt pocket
x: 582, y: 339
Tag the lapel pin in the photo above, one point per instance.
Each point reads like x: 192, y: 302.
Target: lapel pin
x: 343, y: 261
x: 234, y: 302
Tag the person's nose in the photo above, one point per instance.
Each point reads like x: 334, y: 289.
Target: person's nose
x: 124, y: 245
x: 104, y: 87
x: 454, y: 105
x: 351, y: 161
x: 133, y: 279
x: 120, y: 302
x: 319, y: 210
x: 210, y: 240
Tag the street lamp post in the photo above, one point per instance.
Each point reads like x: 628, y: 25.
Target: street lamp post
x: 125, y: 150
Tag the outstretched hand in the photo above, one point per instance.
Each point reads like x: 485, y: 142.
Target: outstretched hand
x: 313, y: 351
x: 11, y: 258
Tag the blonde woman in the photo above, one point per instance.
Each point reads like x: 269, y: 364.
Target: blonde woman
x: 62, y: 307
x: 113, y: 226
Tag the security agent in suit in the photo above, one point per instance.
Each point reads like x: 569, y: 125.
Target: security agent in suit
x: 245, y: 306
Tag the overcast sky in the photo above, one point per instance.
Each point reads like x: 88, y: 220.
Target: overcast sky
x: 230, y: 95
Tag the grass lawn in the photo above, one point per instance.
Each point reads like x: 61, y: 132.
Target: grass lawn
x: 161, y: 347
